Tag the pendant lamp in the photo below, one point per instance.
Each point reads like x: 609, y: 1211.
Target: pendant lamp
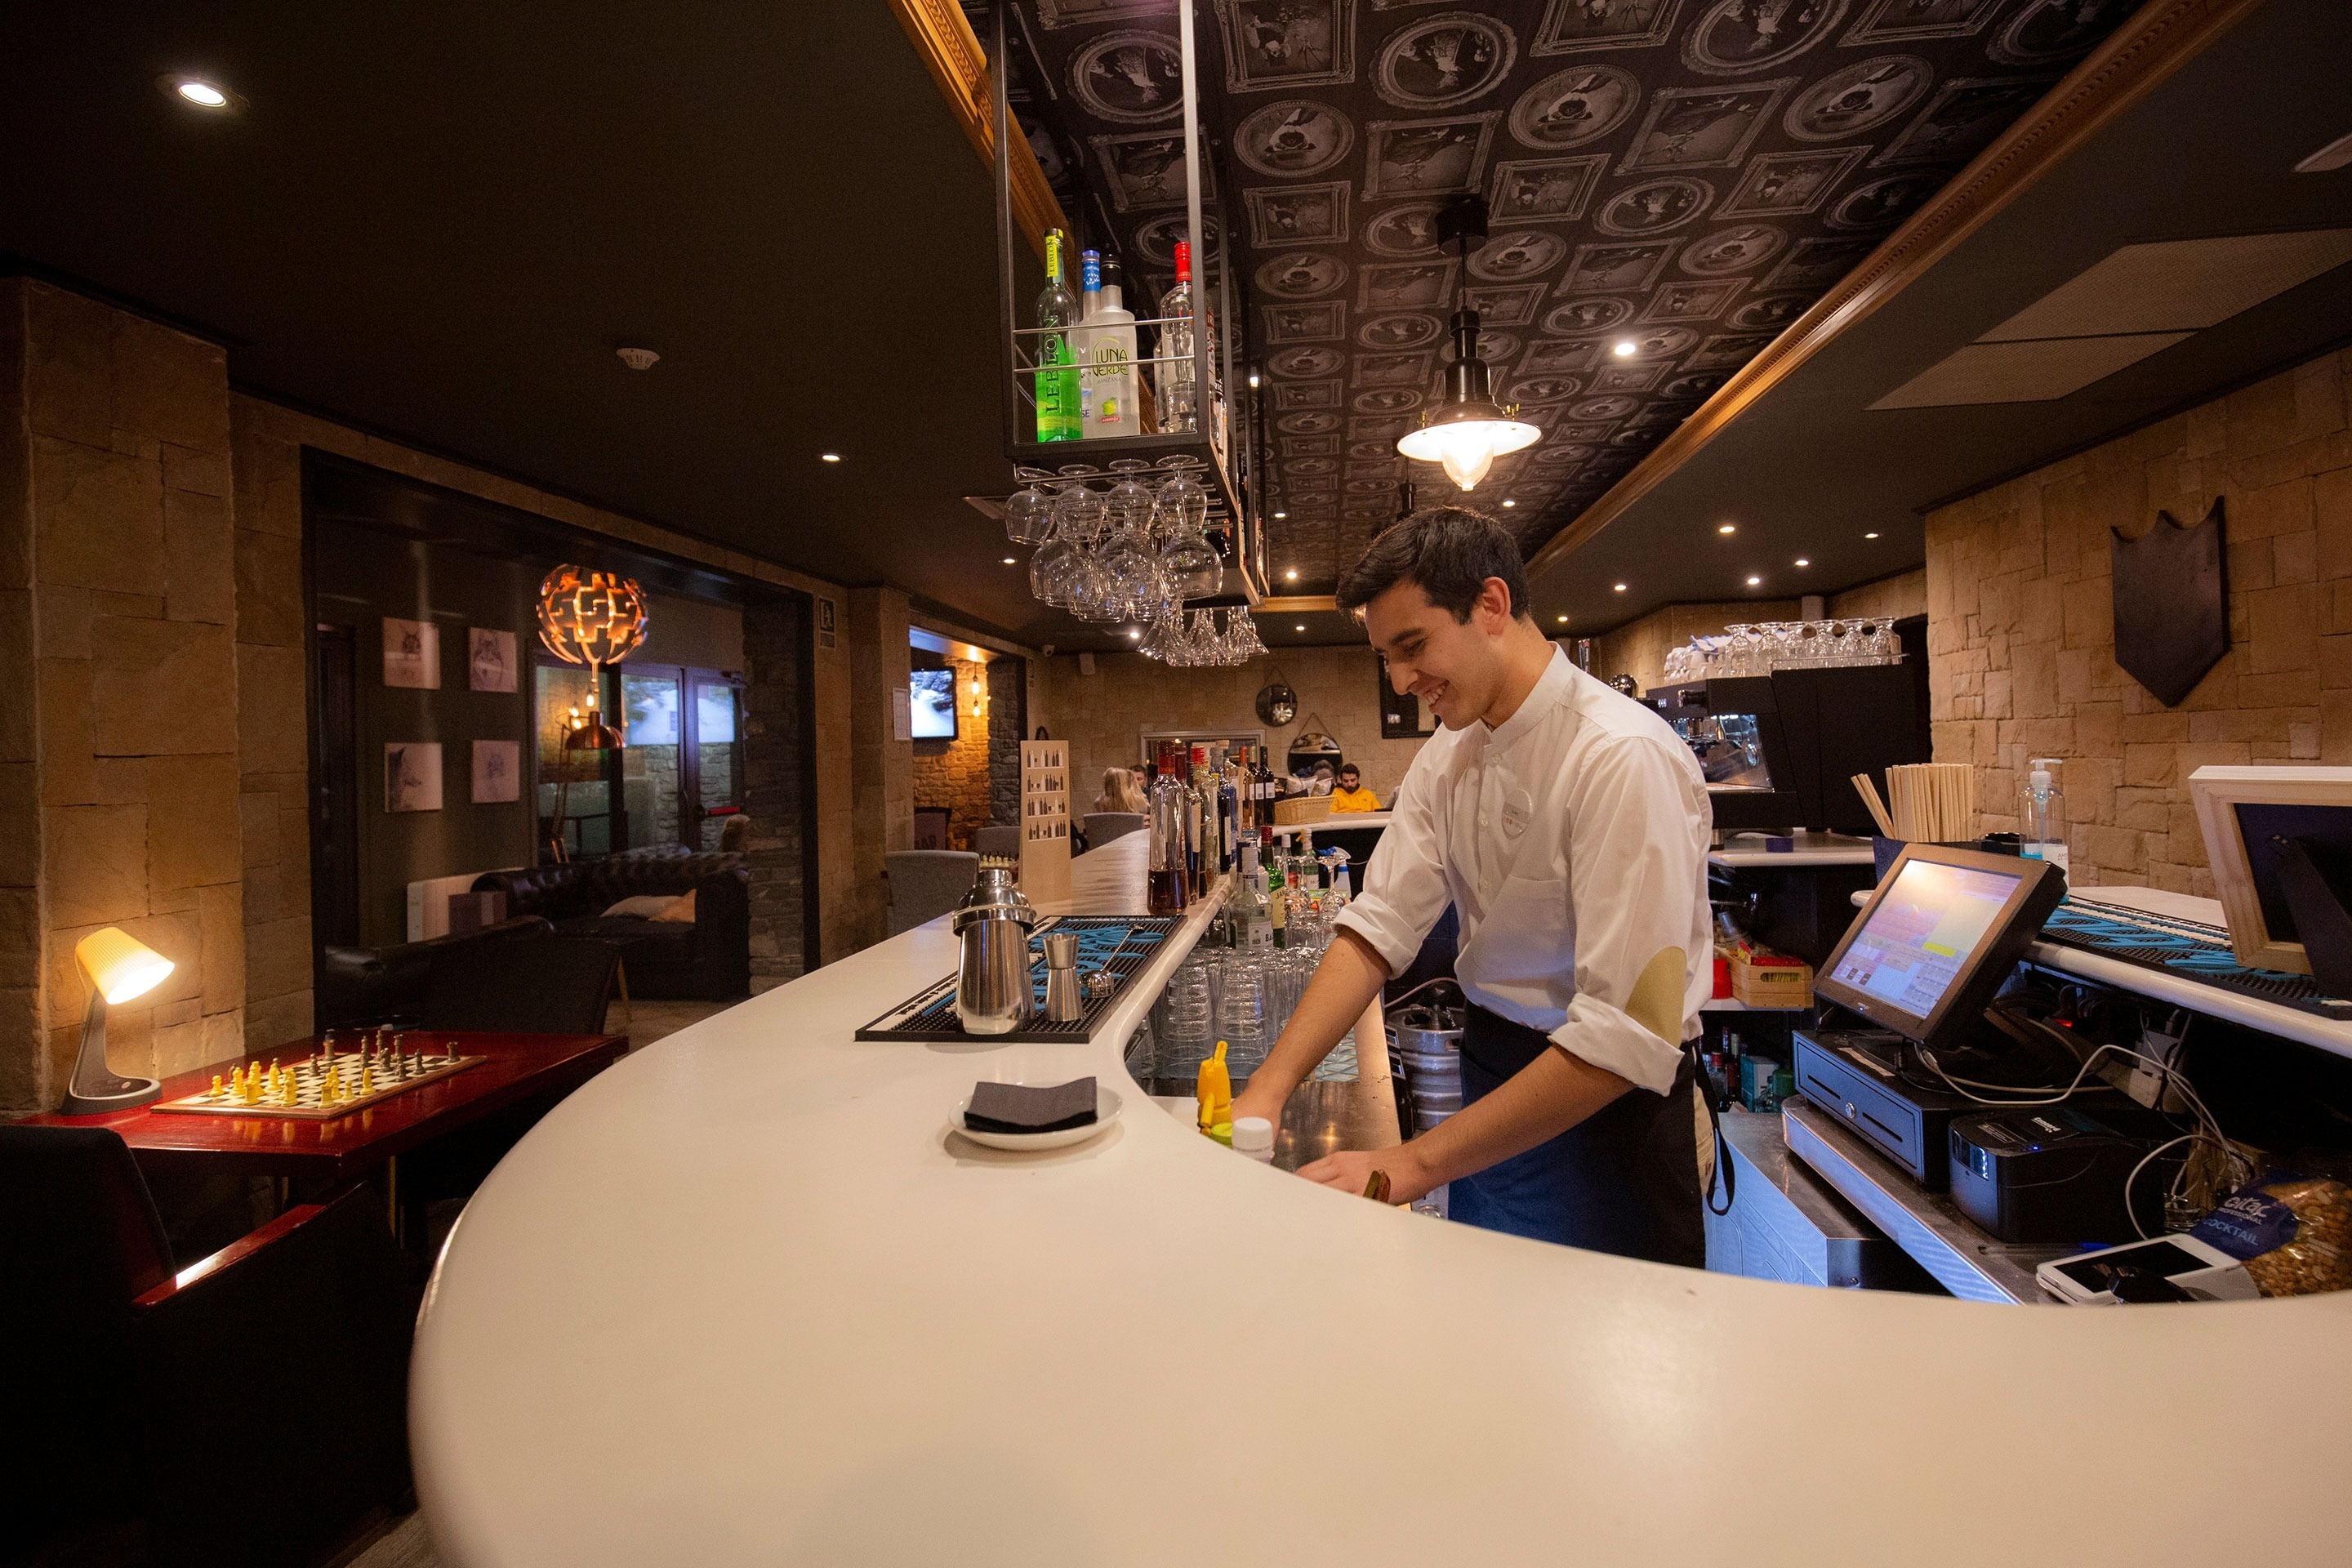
x: 593, y: 618
x: 1470, y: 430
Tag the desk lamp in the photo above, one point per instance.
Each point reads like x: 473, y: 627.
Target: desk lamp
x: 119, y: 968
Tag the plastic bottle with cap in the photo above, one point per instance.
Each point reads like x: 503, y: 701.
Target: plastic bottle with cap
x: 1214, y: 1090
x: 2041, y: 817
x: 1254, y: 1136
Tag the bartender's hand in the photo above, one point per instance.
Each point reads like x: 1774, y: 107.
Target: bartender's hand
x: 1255, y: 1101
x: 1352, y: 1171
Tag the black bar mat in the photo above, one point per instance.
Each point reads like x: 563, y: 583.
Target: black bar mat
x: 1128, y: 942
x: 2188, y: 949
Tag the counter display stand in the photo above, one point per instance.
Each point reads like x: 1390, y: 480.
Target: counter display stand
x: 1046, y: 819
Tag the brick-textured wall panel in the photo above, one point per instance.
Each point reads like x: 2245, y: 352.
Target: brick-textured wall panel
x: 24, y: 1079
x: 1007, y: 681
x: 2022, y: 631
x: 955, y: 773
x: 775, y: 788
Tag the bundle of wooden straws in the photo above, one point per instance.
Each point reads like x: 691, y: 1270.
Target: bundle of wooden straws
x: 1935, y: 802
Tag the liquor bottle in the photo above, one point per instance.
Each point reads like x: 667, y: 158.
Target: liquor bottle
x: 1057, y: 390
x: 1173, y: 376
x: 1105, y: 343
x: 1167, y: 887
x: 1196, y: 884
x: 1229, y: 806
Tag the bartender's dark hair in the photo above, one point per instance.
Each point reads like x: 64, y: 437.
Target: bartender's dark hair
x: 1450, y: 551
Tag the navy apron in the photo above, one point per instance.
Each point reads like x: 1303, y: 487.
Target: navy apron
x: 1624, y: 1180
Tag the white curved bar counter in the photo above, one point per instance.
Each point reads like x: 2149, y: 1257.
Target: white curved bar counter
x: 743, y: 1299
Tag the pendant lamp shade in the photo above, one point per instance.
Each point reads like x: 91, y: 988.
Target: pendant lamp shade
x: 1470, y: 430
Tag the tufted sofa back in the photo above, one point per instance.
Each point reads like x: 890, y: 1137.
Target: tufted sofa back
x: 588, y: 888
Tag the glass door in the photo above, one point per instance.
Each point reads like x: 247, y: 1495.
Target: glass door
x: 651, y: 770
x: 714, y: 760
x: 580, y: 809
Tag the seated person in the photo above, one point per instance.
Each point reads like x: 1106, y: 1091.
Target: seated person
x: 1350, y: 796
x: 1120, y: 792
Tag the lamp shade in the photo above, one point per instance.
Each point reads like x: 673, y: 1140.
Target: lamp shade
x: 1470, y: 430
x: 119, y: 965
x: 593, y: 618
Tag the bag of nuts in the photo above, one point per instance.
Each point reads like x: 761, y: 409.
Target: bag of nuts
x: 2292, y: 1233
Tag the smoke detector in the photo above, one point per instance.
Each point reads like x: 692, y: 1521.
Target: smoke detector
x: 637, y: 359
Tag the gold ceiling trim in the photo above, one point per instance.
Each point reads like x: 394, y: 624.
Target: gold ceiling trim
x: 960, y: 65
x: 1297, y: 605
x: 2136, y: 59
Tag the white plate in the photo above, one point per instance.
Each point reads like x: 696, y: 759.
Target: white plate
x: 1107, y: 1107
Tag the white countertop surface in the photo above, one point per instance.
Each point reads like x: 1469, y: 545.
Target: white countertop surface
x: 743, y: 1298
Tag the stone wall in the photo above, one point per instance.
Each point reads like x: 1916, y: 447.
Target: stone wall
x: 1901, y: 596
x: 273, y: 737
x: 954, y: 774
x: 882, y: 786
x: 1103, y: 715
x: 1008, y: 683
x: 122, y: 430
x: 775, y: 787
x: 25, y: 1072
x: 2022, y: 632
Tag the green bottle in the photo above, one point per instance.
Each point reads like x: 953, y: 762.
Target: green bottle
x: 1057, y: 389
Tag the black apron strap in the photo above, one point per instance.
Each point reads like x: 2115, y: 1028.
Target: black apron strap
x: 1725, y: 1176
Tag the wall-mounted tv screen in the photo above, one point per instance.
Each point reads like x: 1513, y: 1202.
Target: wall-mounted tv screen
x: 934, y: 704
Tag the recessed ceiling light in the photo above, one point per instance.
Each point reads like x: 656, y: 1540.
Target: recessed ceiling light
x: 1280, y: 515
x: 1291, y: 575
x: 1619, y: 588
x: 1252, y: 378
x: 198, y: 93
x: 1726, y: 528
x: 1870, y: 536
x: 1752, y: 581
x: 1300, y: 628
x: 1563, y: 620
x: 1624, y: 349
x: 829, y: 457
x: 1803, y: 562
x: 1008, y: 561
x: 1510, y: 503
x: 1133, y: 632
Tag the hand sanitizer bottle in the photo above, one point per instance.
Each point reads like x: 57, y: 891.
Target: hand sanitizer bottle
x: 2041, y: 816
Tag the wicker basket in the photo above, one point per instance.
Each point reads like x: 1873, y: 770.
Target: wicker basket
x: 1300, y: 809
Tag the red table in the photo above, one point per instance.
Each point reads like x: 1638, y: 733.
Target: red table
x: 306, y: 1155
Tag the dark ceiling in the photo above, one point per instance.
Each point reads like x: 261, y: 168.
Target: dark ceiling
x: 439, y: 221
x: 1688, y: 176
x: 1810, y: 468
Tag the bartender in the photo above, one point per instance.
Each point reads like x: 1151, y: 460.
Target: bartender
x: 1569, y: 827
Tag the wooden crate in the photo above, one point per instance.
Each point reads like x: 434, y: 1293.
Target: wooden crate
x: 1046, y: 819
x: 1782, y: 982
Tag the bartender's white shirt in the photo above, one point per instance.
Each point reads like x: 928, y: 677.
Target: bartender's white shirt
x: 1573, y: 839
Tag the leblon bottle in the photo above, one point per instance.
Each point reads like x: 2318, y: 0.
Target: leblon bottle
x: 1057, y: 388
x: 1166, y: 806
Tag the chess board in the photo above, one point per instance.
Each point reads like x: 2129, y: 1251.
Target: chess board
x: 304, y: 1082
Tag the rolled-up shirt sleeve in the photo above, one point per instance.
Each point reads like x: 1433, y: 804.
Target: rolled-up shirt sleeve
x: 1637, y: 887
x: 1405, y: 885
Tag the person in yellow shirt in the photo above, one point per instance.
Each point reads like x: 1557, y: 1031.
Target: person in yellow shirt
x: 1349, y: 795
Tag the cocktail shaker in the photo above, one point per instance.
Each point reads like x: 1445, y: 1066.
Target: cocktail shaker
x: 1065, y: 1002
x: 994, y: 993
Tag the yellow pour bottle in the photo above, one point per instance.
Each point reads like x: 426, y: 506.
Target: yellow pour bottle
x: 1214, y: 1089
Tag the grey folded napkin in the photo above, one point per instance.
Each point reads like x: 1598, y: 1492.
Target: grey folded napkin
x: 1030, y: 1108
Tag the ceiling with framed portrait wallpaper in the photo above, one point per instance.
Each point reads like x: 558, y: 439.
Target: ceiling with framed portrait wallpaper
x: 1684, y: 176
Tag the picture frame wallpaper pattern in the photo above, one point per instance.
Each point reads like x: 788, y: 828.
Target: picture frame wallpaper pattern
x: 1701, y: 171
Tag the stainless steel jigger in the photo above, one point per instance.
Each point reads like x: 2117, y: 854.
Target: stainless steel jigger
x: 1065, y: 1002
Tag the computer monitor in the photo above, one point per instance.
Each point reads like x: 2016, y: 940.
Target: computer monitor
x: 1937, y: 937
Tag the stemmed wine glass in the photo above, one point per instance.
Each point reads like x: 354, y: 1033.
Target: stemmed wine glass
x: 1029, y: 513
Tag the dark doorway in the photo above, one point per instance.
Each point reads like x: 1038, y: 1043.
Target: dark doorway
x: 334, y: 789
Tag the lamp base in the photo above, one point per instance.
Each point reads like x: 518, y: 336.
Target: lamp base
x: 95, y: 1090
x: 109, y: 1094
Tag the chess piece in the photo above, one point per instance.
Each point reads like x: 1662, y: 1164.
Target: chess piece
x: 367, y: 1086
x: 217, y: 1086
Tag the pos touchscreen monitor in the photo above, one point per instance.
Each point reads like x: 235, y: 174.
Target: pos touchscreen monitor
x: 1937, y: 937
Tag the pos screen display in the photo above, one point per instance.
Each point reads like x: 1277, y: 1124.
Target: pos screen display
x: 1938, y: 936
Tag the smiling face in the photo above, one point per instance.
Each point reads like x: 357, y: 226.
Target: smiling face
x: 1455, y: 667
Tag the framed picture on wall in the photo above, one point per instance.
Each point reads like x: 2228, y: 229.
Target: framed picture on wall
x: 498, y: 771
x: 411, y: 654
x: 412, y: 775
x: 489, y: 659
x: 1400, y: 712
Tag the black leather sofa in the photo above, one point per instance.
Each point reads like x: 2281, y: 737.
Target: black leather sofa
x: 709, y: 959
x: 366, y: 985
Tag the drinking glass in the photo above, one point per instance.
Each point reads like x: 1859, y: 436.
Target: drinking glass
x: 1191, y: 567
x: 1739, y: 649
x: 1129, y: 504
x: 1053, y: 569
x: 1079, y: 505
x: 1029, y: 513
x: 1181, y: 505
x: 1241, y: 1011
x: 1184, y: 1019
